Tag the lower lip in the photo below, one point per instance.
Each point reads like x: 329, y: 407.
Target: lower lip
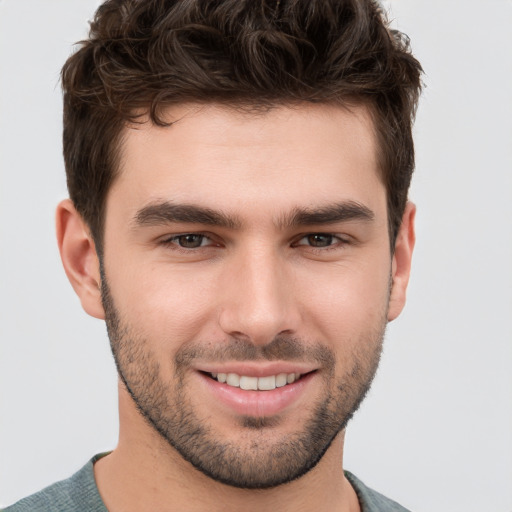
x: 258, y: 403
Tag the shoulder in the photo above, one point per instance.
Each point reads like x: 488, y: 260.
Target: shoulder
x: 77, y: 493
x: 370, y: 500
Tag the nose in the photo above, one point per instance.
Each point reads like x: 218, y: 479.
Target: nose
x: 259, y: 300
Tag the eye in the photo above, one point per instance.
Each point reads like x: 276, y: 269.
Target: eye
x: 189, y: 241
x: 319, y: 240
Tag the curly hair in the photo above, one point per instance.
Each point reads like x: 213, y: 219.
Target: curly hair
x: 144, y: 56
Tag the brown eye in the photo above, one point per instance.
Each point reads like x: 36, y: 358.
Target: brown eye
x: 190, y: 241
x: 320, y: 240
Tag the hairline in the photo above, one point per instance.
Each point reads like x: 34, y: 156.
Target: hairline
x: 249, y: 107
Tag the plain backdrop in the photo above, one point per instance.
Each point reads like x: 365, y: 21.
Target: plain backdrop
x: 436, y: 431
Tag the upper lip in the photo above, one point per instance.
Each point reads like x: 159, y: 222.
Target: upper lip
x: 256, y: 369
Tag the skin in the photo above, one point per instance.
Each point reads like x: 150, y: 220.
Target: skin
x: 255, y: 278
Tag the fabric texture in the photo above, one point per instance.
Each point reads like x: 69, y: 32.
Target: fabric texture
x: 372, y: 501
x: 80, y: 494
x: 76, y: 494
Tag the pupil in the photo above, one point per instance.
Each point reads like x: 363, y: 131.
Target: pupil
x: 190, y: 241
x: 320, y: 240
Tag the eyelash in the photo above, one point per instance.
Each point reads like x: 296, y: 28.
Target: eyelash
x: 174, y: 241
x: 337, y: 239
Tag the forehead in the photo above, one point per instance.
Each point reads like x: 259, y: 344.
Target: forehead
x: 223, y: 158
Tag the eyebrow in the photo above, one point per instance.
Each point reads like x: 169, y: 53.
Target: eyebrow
x: 166, y: 212
x: 329, y: 214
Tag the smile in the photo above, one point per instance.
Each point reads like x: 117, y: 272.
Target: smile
x: 258, y: 390
x: 245, y: 382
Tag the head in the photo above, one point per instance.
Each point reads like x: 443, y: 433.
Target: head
x: 144, y: 57
x: 239, y: 172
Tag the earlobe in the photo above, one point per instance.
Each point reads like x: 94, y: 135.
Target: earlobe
x: 79, y: 257
x: 401, y: 265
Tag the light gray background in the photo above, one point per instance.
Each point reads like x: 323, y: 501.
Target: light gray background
x: 436, y: 431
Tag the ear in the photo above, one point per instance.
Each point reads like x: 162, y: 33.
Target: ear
x: 79, y: 257
x: 401, y: 264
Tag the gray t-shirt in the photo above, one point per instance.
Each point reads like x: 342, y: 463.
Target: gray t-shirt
x: 80, y: 494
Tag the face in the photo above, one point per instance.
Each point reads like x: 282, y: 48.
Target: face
x: 246, y: 283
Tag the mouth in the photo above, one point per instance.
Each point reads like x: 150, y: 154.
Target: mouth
x: 249, y: 383
x: 256, y: 391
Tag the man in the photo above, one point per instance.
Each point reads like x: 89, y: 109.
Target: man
x: 238, y: 175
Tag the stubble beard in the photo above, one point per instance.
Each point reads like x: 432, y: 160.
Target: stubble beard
x: 261, y: 461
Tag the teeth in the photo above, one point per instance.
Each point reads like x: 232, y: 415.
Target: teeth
x: 267, y: 383
x: 281, y: 380
x: 256, y: 383
x: 248, y: 382
x: 233, y: 379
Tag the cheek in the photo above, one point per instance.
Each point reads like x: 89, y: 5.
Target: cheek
x: 164, y: 303
x: 347, y: 301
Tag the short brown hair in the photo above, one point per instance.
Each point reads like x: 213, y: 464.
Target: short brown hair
x: 146, y: 55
